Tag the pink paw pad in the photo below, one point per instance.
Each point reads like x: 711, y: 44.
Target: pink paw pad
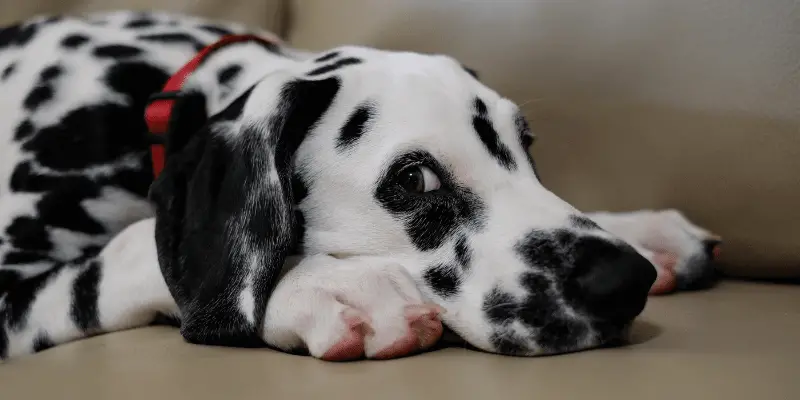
x: 351, y: 346
x: 424, y: 330
x: 666, y: 281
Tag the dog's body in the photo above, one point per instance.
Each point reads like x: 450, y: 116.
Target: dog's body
x: 402, y: 222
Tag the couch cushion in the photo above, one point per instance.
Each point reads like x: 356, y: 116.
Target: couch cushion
x: 637, y: 104
x: 266, y: 14
x: 738, y: 341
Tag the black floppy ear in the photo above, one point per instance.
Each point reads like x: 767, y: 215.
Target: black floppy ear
x: 224, y: 223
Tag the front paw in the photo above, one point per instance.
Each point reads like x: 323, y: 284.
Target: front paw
x: 349, y: 309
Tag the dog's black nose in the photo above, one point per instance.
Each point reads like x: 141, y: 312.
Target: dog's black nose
x: 614, y: 287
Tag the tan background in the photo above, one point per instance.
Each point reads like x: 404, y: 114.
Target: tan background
x: 691, y: 104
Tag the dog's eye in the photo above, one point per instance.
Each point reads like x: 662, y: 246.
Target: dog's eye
x: 418, y: 179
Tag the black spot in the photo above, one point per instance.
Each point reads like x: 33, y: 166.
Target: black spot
x: 298, y: 243
x: 560, y: 334
x: 430, y: 219
x: 24, y: 179
x: 25, y: 34
x: 42, y: 342
x: 3, y: 335
x: 20, y: 257
x: 74, y: 41
x: 508, y: 342
x: 63, y: 209
x: 539, y: 307
x: 488, y: 135
x: 8, y: 70
x: 38, y: 96
x: 117, y: 51
x: 327, y: 57
x: 218, y: 30
x: 102, y: 133
x: 582, y: 222
x: 337, y: 65
x: 355, y: 126
x: 9, y: 34
x: 84, y: 310
x: 18, y: 300
x: 29, y: 233
x: 140, y: 23
x: 500, y: 307
x: 299, y: 187
x: 174, y: 37
x: 229, y: 73
x: 463, y: 252
x: 443, y: 279
x: 8, y: 279
x: 50, y: 73
x: 470, y: 71
x: 540, y: 251
x: 24, y: 130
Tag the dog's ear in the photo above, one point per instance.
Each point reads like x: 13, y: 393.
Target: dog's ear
x: 224, y: 206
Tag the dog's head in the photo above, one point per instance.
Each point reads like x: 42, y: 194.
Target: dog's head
x: 401, y: 155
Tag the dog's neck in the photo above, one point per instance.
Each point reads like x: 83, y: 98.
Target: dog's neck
x: 229, y: 71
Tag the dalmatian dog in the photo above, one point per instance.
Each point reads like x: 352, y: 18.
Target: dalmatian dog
x: 345, y: 204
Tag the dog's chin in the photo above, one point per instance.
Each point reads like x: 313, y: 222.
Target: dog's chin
x: 610, y: 338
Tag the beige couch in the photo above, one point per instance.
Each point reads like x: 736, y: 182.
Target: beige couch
x: 692, y: 104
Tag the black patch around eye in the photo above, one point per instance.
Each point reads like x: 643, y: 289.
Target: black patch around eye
x: 85, y: 293
x: 140, y: 23
x: 229, y: 73
x: 8, y: 70
x: 174, y: 37
x: 583, y: 222
x: 29, y: 233
x: 74, y: 41
x: 327, y: 57
x: 38, y: 96
x: 488, y: 135
x: 336, y: 65
x: 430, y: 219
x: 463, y: 252
x: 217, y: 30
x: 42, y: 342
x: 355, y: 126
x: 24, y: 130
x: 443, y: 280
x: 116, y: 51
x: 500, y: 307
x: 19, y: 300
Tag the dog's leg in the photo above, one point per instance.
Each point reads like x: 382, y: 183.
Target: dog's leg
x: 682, y: 252
x: 341, y: 309
x: 119, y: 289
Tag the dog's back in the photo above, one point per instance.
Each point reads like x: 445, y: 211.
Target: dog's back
x: 74, y: 161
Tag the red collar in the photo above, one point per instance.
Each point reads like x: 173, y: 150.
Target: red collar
x: 159, y: 110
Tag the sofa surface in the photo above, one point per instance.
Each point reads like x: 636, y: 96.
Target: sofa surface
x: 736, y: 342
x: 691, y: 104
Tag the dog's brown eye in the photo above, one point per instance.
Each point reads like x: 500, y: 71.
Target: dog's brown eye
x: 418, y: 179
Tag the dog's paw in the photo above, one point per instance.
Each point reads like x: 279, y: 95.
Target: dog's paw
x: 682, y: 252
x: 345, y: 309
